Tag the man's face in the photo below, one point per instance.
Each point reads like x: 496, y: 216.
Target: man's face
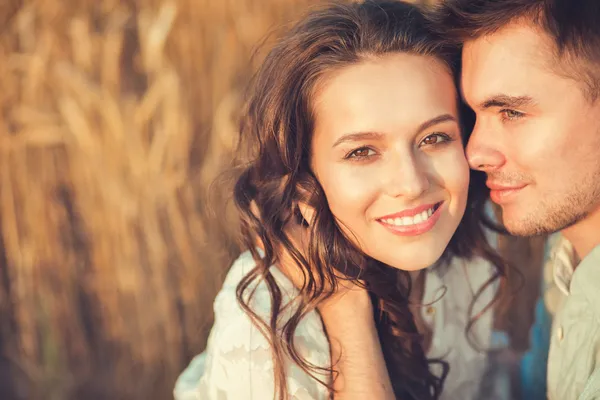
x: 537, y: 134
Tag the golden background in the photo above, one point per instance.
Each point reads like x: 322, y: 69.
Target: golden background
x: 117, y: 119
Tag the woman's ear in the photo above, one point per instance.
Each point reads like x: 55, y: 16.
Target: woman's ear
x: 307, y: 212
x: 306, y: 189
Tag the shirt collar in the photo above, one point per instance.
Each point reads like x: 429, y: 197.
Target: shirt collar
x: 564, y: 262
x: 587, y: 276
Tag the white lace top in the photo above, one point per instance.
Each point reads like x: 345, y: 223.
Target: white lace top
x: 237, y: 362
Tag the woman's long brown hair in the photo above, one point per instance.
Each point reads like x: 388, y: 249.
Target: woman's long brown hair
x: 278, y: 124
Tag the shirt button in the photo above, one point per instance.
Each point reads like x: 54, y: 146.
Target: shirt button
x: 430, y: 311
x: 560, y: 333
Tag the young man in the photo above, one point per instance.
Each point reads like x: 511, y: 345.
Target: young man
x: 531, y: 73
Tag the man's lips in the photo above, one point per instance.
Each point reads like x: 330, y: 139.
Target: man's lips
x: 502, y: 193
x: 504, y: 186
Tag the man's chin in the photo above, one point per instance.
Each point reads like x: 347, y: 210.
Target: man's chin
x: 517, y: 230
x: 530, y: 221
x: 518, y: 223
x: 526, y: 226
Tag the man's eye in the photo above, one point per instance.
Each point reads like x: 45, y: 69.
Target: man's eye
x: 511, y: 115
x: 435, y: 138
x: 362, y: 152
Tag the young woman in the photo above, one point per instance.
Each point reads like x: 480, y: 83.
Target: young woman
x: 357, y: 137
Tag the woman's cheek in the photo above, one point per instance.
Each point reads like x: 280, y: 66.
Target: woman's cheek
x: 452, y: 171
x: 350, y: 191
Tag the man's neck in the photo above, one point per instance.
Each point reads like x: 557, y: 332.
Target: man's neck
x: 584, y: 235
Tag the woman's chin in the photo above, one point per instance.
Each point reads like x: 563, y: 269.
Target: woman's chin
x: 416, y: 263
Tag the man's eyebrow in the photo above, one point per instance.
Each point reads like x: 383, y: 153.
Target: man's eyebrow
x: 502, y: 100
x: 358, y: 136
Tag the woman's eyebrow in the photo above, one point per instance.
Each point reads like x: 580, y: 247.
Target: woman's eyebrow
x: 358, y: 136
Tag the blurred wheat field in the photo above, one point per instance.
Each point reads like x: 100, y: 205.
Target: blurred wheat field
x: 117, y: 116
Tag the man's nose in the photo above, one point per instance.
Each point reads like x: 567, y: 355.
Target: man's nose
x: 484, y: 152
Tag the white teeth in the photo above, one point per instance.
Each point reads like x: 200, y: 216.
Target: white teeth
x: 404, y: 221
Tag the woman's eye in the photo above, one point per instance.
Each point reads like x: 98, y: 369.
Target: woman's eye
x: 435, y: 138
x: 510, y: 115
x: 361, y: 153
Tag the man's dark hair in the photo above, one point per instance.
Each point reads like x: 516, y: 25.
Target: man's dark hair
x: 573, y: 25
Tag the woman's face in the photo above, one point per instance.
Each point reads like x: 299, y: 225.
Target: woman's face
x: 388, y: 153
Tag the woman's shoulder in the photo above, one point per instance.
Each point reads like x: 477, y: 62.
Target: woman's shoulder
x: 231, y: 316
x: 238, y: 347
x: 257, y: 294
x: 242, y: 265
